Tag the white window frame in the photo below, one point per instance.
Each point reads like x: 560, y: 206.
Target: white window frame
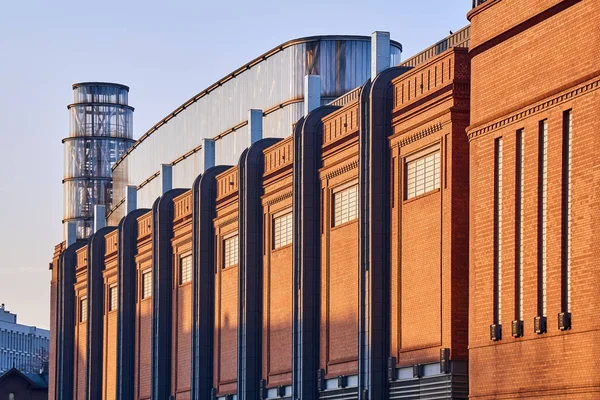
x: 351, y: 212
x: 146, y: 273
x: 412, y: 189
x: 283, y: 230
x: 185, y: 276
x: 231, y: 256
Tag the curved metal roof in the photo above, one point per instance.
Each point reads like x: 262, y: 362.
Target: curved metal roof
x: 240, y: 70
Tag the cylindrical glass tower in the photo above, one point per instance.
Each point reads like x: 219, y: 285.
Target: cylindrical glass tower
x: 101, y: 130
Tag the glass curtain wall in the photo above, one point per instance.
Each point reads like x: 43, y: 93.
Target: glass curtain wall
x: 101, y: 131
x: 273, y: 82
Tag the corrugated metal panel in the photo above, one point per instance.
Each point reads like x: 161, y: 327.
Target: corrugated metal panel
x: 340, y: 394
x: 434, y: 388
x: 273, y: 81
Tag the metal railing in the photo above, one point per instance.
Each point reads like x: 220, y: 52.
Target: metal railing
x: 478, y: 3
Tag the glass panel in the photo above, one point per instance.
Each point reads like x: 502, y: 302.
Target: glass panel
x: 345, y: 204
x: 230, y: 251
x: 282, y: 230
x: 185, y: 270
x: 343, y: 64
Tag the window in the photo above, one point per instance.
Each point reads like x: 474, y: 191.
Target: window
x: 566, y: 210
x: 345, y: 205
x: 83, y: 309
x: 422, y: 173
x: 520, y: 231
x: 498, y: 232
x: 542, y: 210
x: 230, y: 246
x: 282, y: 230
x: 146, y: 284
x: 113, y: 298
x: 185, y: 269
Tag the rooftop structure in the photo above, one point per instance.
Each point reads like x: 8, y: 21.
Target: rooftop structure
x: 101, y: 130
x: 213, y: 128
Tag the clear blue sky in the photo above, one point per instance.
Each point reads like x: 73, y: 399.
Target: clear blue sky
x: 166, y: 52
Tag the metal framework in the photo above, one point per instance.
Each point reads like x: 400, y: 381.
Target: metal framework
x: 101, y: 131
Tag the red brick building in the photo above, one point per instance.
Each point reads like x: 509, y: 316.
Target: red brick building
x: 383, y: 250
x: 533, y: 148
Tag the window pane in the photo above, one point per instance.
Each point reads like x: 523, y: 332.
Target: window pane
x: 185, y: 270
x: 422, y: 175
x: 146, y: 284
x: 282, y: 230
x: 231, y: 251
x: 113, y: 296
x: 345, y: 203
x: 83, y: 310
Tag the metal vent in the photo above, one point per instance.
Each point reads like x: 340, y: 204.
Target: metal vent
x: 539, y: 325
x: 417, y: 371
x: 517, y: 328
x: 564, y: 321
x: 321, y: 379
x: 262, y: 391
x: 495, y: 332
x: 391, y: 369
x: 445, y: 361
x: 280, y: 391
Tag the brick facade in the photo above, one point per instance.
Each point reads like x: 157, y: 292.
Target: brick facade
x: 532, y: 62
x: 433, y: 209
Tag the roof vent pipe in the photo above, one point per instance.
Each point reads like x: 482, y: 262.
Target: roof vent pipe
x: 255, y: 126
x: 166, y: 178
x: 380, y: 52
x: 130, y: 198
x: 99, y: 217
x: 312, y: 93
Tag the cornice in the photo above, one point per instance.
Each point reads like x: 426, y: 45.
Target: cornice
x: 279, y: 198
x: 536, y: 108
x: 438, y: 126
x: 342, y: 169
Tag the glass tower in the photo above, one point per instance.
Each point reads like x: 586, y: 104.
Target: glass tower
x: 100, y: 131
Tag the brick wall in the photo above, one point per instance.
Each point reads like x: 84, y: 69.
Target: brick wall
x: 339, y: 247
x: 80, y: 360
x: 532, y: 61
x: 109, y: 365
x: 182, y: 299
x: 429, y: 273
x: 277, y: 268
x: 143, y: 323
x: 226, y: 286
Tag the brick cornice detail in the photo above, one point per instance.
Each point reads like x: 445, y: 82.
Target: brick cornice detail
x: 341, y: 170
x: 279, y: 198
x: 227, y: 222
x: 420, y: 135
x: 535, y: 109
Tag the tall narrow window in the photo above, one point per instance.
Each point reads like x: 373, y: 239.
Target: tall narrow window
x: 542, y: 217
x: 230, y: 247
x: 345, y: 205
x: 520, y: 231
x: 83, y: 309
x: 185, y: 269
x: 498, y: 232
x: 147, y: 284
x: 282, y: 230
x: 566, y: 211
x: 113, y: 298
x: 422, y: 172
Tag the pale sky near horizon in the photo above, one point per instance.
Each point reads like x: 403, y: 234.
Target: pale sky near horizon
x: 166, y: 52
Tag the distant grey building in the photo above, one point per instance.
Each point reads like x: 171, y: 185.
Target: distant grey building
x: 21, y: 346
